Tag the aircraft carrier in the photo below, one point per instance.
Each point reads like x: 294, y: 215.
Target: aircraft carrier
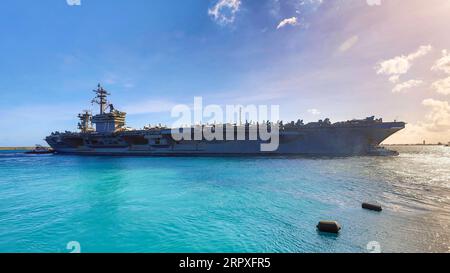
x: 106, y: 134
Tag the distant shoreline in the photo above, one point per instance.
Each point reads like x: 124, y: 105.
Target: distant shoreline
x: 16, y: 148
x: 413, y: 144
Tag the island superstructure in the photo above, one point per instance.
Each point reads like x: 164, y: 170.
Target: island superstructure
x: 106, y: 134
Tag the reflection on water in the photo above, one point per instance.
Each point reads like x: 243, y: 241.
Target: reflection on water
x: 138, y: 204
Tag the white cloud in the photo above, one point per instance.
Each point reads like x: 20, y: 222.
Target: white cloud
x: 401, y: 87
x: 438, y: 119
x: 422, y: 51
x: 305, y: 2
x: 348, y: 44
x: 288, y: 21
x: 73, y: 2
x: 224, y: 11
x: 394, y: 78
x: 443, y: 64
x: 434, y: 128
x: 401, y: 64
x: 314, y: 112
x: 442, y: 86
x: 373, y: 2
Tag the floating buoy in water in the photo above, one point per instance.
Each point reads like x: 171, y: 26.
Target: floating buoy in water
x: 373, y: 207
x: 329, y: 226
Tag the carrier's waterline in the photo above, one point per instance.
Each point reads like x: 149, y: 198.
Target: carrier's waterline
x: 111, y: 137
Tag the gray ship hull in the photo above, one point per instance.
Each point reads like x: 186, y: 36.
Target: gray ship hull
x: 322, y: 141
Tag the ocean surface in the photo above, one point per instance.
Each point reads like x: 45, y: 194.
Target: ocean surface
x: 144, y: 204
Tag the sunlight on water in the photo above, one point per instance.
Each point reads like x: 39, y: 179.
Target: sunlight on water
x: 138, y: 204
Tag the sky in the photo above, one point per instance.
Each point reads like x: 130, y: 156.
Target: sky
x: 316, y: 59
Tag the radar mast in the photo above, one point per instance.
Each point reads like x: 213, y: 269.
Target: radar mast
x: 100, y: 99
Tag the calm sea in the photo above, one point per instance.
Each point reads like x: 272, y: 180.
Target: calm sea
x: 142, y: 204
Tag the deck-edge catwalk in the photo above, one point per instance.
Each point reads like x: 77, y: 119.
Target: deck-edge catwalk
x: 106, y: 134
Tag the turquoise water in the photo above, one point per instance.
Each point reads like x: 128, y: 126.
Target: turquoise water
x: 138, y: 204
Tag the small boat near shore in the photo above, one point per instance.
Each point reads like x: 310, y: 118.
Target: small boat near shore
x: 382, y: 151
x: 40, y: 150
